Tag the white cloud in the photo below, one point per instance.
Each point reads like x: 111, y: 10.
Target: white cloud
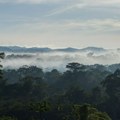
x: 98, y: 2
x: 66, y: 8
x: 29, y: 1
x: 79, y: 4
x: 68, y: 26
x: 93, y: 2
x: 103, y: 25
x: 87, y: 25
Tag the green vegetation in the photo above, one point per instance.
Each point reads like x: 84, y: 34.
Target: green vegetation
x: 2, y: 55
x: 80, y: 93
x: 7, y: 118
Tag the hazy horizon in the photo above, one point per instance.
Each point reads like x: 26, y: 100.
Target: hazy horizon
x: 37, y: 46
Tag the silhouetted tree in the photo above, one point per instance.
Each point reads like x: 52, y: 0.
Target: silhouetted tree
x: 2, y: 55
x: 75, y: 67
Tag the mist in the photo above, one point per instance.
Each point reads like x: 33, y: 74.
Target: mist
x: 58, y: 60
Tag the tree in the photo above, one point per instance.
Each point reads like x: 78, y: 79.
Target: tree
x: 75, y: 95
x: 7, y: 118
x: 40, y: 108
x: 112, y: 85
x: 2, y: 82
x: 74, y: 76
x: 27, y: 85
x: 75, y: 67
x: 87, y: 112
x: 96, y: 97
x: 52, y: 76
x: 112, y: 88
x: 2, y: 55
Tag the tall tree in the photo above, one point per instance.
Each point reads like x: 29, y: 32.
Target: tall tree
x: 112, y: 85
x: 75, y: 67
x: 2, y: 55
x: 2, y: 82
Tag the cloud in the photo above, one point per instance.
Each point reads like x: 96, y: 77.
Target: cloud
x: 93, y: 2
x: 30, y: 1
x: 66, y: 8
x: 58, y: 20
x: 80, y: 4
x: 104, y: 25
x: 59, y: 59
x: 87, y: 26
x: 98, y: 2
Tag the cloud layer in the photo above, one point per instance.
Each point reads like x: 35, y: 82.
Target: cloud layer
x: 59, y: 60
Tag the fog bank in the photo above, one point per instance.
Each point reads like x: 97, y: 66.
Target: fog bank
x: 59, y: 60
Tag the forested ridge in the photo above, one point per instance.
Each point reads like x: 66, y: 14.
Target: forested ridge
x: 80, y: 93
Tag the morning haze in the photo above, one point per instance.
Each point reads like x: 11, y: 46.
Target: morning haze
x: 59, y: 59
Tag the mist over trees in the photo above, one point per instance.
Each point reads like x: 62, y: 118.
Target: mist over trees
x: 80, y: 92
x: 2, y: 55
x: 49, y: 59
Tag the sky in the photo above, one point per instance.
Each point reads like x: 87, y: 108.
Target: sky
x: 60, y: 23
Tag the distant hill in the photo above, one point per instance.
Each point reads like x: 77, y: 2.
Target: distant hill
x: 17, y: 49
x: 93, y: 49
x: 69, y: 49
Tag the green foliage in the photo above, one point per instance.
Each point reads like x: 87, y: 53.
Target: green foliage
x: 112, y: 85
x: 75, y: 95
x: 7, y: 118
x: 2, y: 81
x: 112, y: 88
x: 2, y: 55
x: 87, y: 112
x: 75, y: 67
x: 33, y: 94
x: 53, y: 76
x: 40, y: 107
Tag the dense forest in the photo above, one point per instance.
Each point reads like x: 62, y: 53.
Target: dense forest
x: 82, y: 92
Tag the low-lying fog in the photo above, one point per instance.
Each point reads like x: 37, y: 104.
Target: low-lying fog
x: 59, y: 60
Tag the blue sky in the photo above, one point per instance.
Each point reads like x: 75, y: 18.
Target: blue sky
x: 60, y: 23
